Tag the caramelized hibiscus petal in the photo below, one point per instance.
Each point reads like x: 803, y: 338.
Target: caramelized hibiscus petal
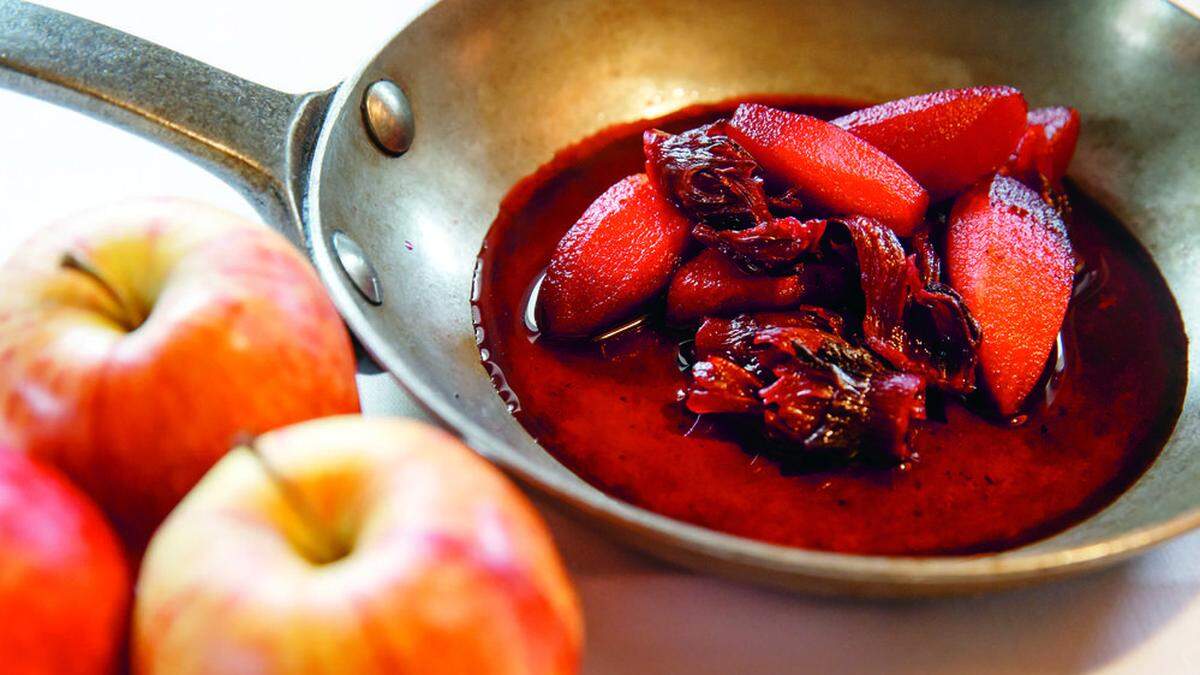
x: 717, y: 184
x: 822, y: 394
x: 711, y: 178
x: 895, y: 400
x: 771, y: 245
x: 733, y: 338
x: 722, y: 386
x: 827, y: 415
x: 917, y: 323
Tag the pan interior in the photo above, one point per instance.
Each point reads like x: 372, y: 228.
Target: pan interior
x: 497, y: 88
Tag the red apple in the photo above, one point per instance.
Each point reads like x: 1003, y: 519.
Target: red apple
x: 138, y: 341
x: 354, y: 545
x: 64, y: 585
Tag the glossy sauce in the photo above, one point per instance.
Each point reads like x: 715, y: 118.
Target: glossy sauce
x: 610, y: 410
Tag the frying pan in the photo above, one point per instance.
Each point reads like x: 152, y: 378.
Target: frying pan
x: 421, y: 144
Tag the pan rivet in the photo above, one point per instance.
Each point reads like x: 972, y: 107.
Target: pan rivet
x: 357, y: 268
x: 388, y: 117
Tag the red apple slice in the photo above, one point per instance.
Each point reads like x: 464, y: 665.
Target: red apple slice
x: 833, y: 168
x: 618, y: 255
x: 1046, y: 148
x: 1008, y: 255
x: 713, y: 285
x: 946, y: 139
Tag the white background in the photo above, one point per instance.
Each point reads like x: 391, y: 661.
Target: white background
x: 642, y: 617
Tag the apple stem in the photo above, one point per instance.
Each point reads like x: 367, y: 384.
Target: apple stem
x: 324, y: 547
x: 128, y: 318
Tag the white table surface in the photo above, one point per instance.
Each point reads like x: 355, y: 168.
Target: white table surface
x: 642, y: 616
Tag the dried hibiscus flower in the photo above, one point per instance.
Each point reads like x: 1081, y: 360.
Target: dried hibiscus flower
x: 722, y: 386
x: 717, y: 184
x: 770, y: 245
x: 814, y: 390
x: 913, y: 320
x: 711, y: 178
x: 734, y: 338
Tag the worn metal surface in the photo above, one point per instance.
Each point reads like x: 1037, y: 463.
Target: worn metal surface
x: 357, y: 267
x: 388, y: 117
x: 512, y: 82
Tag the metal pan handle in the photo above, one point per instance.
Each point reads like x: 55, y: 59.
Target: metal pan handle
x: 239, y: 130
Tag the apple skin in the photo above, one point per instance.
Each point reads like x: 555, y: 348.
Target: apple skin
x: 206, y: 327
x: 445, y: 568
x: 64, y: 582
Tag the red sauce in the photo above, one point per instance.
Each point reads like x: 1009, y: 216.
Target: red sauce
x: 609, y: 411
